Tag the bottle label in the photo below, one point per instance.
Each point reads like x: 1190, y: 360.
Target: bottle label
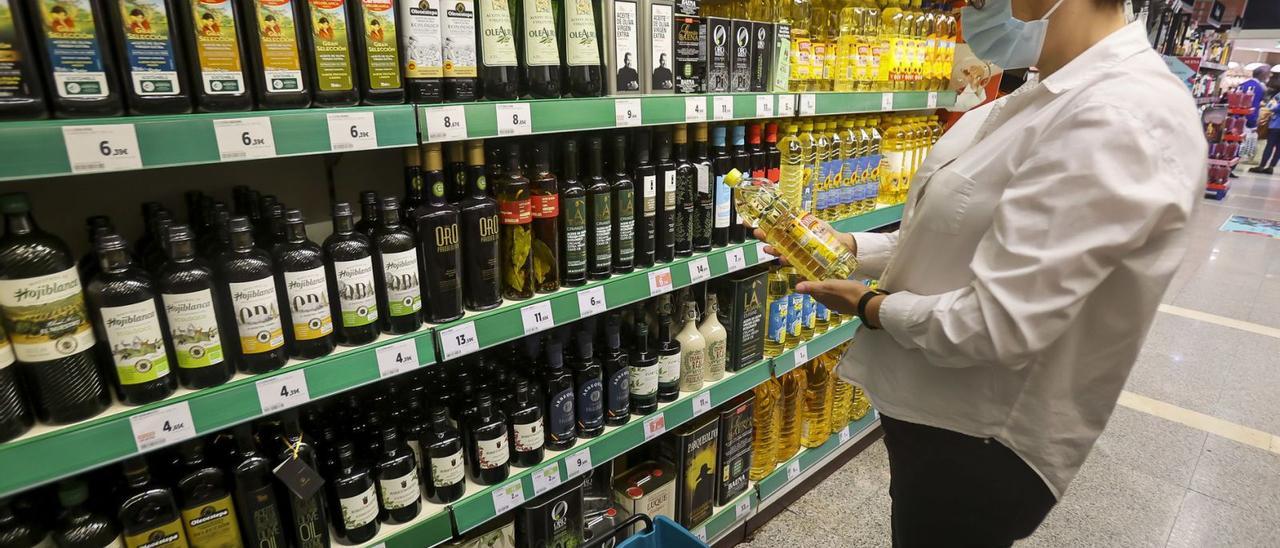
x: 446, y: 471
x: 625, y: 29
x: 626, y: 226
x: 193, y: 325
x: 795, y: 314
x: 217, y: 47
x: 821, y: 312
x: 168, y: 534
x: 423, y: 48
x: 669, y: 368
x: 263, y: 514
x: 717, y: 355
x: 460, y: 45
x: 6, y: 350
x: 382, y: 52
x: 359, y: 510
x: 492, y: 453
x: 331, y: 45
x: 399, y: 492
x: 257, y: 315
x: 619, y: 391
x: 148, y: 48
x: 649, y: 188
x: 281, y: 66
x: 644, y: 380
x: 400, y: 270
x: 661, y: 28
x: 693, y: 368
x: 591, y: 403
x: 498, y: 38
x: 704, y: 177
x: 818, y: 57
x: 544, y: 206
x: 669, y: 190
x: 808, y: 313
x: 575, y: 235
x: 73, y: 49
x: 560, y: 419
x: 357, y: 298
x: 581, y: 47
x: 515, y: 212
x: 212, y: 523
x: 541, y: 48
x: 307, y: 521
x: 527, y: 437
x: 46, y: 316
x: 11, y: 61
x: 602, y: 225
x: 723, y: 203
x: 800, y: 58
x: 777, y: 327
x: 308, y: 293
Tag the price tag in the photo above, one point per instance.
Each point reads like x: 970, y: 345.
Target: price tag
x: 699, y: 270
x: 695, y: 109
x: 886, y: 101
x: 722, y: 108
x: 626, y: 112
x: 654, y: 426
x: 244, y: 138
x: 808, y: 104
x: 761, y: 255
x: 507, y: 497
x: 764, y: 106
x: 702, y: 403
x: 513, y: 119
x: 844, y: 434
x: 743, y: 508
x: 578, y: 463
x: 394, y: 359
x: 793, y: 470
x: 379, y: 545
x: 787, y: 105
x: 283, y: 391
x: 932, y: 101
x: 591, y: 301
x: 546, y: 479
x: 701, y: 533
x: 537, y: 317
x: 164, y: 426
x: 351, y: 131
x: 108, y: 147
x: 659, y: 281
x: 736, y: 259
x: 446, y: 123
x: 458, y: 340
x: 801, y: 354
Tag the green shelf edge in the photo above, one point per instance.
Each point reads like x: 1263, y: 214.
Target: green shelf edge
x: 425, y: 530
x: 862, y: 102
x: 871, y: 220
x: 771, y: 484
x: 57, y: 453
x: 724, y: 518
x: 786, y: 361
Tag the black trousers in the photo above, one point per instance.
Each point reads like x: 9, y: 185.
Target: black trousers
x: 953, y: 490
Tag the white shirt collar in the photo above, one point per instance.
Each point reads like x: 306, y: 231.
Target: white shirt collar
x: 1116, y: 47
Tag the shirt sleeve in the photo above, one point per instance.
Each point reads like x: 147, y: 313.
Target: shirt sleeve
x: 874, y: 251
x: 1069, y: 215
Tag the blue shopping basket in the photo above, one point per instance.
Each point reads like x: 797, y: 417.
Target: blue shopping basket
x: 659, y: 532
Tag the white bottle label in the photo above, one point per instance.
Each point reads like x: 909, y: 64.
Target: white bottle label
x: 669, y: 368
x: 581, y: 46
x: 541, y: 47
x: 399, y: 492
x: 460, y: 39
x: 6, y: 351
x: 661, y: 27
x: 359, y: 510
x: 625, y: 51
x: 528, y: 437
x: 723, y: 203
x: 497, y: 35
x: 644, y: 380
x: 669, y: 191
x: 422, y: 41
x: 50, y: 315
x: 493, y: 453
x: 357, y: 297
x: 400, y: 271
x: 193, y: 325
x: 446, y: 471
x: 136, y: 342
x: 257, y: 315
x: 704, y: 177
x: 308, y: 293
x: 650, y: 194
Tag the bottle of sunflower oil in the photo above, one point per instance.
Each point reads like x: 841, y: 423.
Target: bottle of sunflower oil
x: 778, y: 303
x: 872, y: 28
x: 818, y: 43
x: 809, y: 146
x: 861, y: 404
x: 848, y: 60
x: 835, y: 175
x: 841, y: 403
x: 872, y: 164
x: 766, y: 423
x: 815, y: 427
x: 792, y: 170
x: 821, y: 154
x: 795, y: 315
x: 797, y: 14
x: 792, y: 403
x: 892, y: 160
x: 850, y: 162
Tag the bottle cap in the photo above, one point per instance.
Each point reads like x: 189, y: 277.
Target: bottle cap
x: 700, y: 131
x: 179, y: 233
x: 342, y: 209
x: 432, y: 157
x: 739, y: 135
x: 293, y: 216
x: 389, y: 434
x: 16, y: 202
x: 368, y: 197
x: 771, y: 132
x: 72, y: 492
x: 411, y: 157
x: 681, y: 135
x: 733, y: 177
x: 753, y: 134
x: 239, y: 223
x: 664, y: 144
x: 717, y: 136
x: 391, y: 203
x: 555, y: 353
x: 456, y: 151
x: 475, y: 153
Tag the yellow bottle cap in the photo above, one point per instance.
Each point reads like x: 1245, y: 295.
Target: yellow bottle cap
x: 733, y: 177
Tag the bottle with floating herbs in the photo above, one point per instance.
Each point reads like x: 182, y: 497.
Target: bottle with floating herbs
x: 516, y: 235
x: 544, y: 204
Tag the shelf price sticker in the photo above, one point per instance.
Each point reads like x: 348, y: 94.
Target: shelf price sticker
x: 761, y: 255
x: 701, y: 533
x: 578, y: 463
x: 106, y: 147
x: 844, y: 434
x: 546, y: 479
x: 743, y: 508
x: 626, y: 112
x: 722, y: 107
x: 702, y: 403
x: 164, y: 426
x: 699, y: 270
x: 244, y: 138
x: 886, y: 101
x: 736, y: 258
x: 654, y: 426
x: 932, y: 101
x: 801, y: 354
x: 808, y: 104
x: 787, y: 105
x: 659, y: 281
x: 591, y: 301
x: 695, y: 109
x: 458, y: 340
x: 351, y: 131
x: 537, y: 317
x: 396, y: 358
x: 283, y: 391
x: 513, y: 119
x: 507, y: 497
x: 764, y: 106
x: 793, y: 470
x: 446, y: 123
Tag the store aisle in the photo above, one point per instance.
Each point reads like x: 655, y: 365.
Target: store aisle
x: 1191, y: 457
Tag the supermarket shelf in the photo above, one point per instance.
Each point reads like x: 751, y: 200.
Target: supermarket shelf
x: 790, y: 472
x: 1212, y: 66
x: 878, y: 218
x: 871, y: 101
x: 49, y: 453
x: 814, y: 347
x: 47, y: 148
x: 432, y: 527
x: 724, y: 518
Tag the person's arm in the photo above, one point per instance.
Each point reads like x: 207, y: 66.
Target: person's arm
x: 1069, y: 215
x: 873, y: 250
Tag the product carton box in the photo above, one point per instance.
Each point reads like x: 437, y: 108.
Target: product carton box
x: 781, y: 66
x: 553, y: 519
x: 735, y: 447
x: 718, y: 54
x: 761, y: 56
x: 691, y: 450
x: 658, y: 45
x: 691, y: 48
x: 620, y: 20
x: 741, y: 297
x: 740, y: 51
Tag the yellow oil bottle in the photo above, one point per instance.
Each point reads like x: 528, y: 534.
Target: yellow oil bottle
x: 778, y: 308
x: 792, y: 171
x: 874, y: 161
x: 796, y: 315
x: 848, y: 59
x: 815, y: 427
x: 821, y: 159
x: 861, y: 405
x: 766, y: 421
x: 791, y: 401
x: 841, y: 403
x: 797, y: 14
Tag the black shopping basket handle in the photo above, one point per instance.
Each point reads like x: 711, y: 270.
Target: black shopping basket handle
x: 599, y: 539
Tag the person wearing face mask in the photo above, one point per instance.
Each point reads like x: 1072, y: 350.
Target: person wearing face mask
x: 1035, y: 244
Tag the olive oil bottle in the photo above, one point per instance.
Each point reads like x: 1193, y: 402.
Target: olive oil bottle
x: 22, y: 93
x: 540, y: 51
x: 154, y: 70
x: 248, y: 274
x: 544, y: 205
x: 333, y: 76
x: 561, y: 418
x: 669, y: 349
x: 686, y: 193
x: 461, y: 83
x: 352, y: 497
x: 623, y: 207
x: 349, y: 265
x: 301, y: 279
x: 516, y: 236
x: 616, y: 370
x: 379, y: 50
x: 197, y: 324
x: 665, y: 217
x: 305, y: 516
x: 275, y: 39
x: 644, y: 371
x: 213, y: 41
x: 15, y: 415
x: 208, y: 515
x: 73, y: 41
x: 147, y: 512
x: 704, y: 203
x: 255, y: 499
x: 436, y: 223
x: 646, y: 200
x: 573, y: 220
x: 478, y: 223
x: 489, y: 454
x: 499, y: 70
x: 422, y: 49
x: 397, y: 262
x: 580, y: 49
x: 524, y: 423
x: 443, y: 477
x: 79, y: 524
x: 599, y: 212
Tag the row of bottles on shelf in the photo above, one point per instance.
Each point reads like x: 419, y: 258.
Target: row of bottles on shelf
x: 1240, y: 100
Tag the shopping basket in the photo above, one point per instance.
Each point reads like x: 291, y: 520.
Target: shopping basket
x: 659, y: 532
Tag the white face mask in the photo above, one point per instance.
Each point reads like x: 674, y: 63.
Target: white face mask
x: 996, y: 36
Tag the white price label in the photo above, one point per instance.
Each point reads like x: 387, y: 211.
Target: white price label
x: 736, y: 259
x: 591, y: 301
x: 446, y: 123
x: 546, y: 479
x: 764, y: 106
x: 537, y: 317
x: 108, y: 147
x: 793, y: 470
x: 801, y: 354
x: 886, y: 101
x: 761, y: 255
x: 283, y: 391
x: 164, y: 426
x: 695, y: 109
x: 379, y: 545
x: 654, y: 426
x: 844, y: 434
x: 397, y: 358
x: 701, y: 533
x: 787, y: 105
x: 699, y: 270
x: 244, y: 138
x: 932, y: 101
x: 513, y: 119
x: 743, y: 508
x: 458, y: 340
x: 808, y: 104
x: 507, y: 497
x: 351, y: 131
x: 626, y: 112
x: 722, y: 108
x: 578, y: 463
x: 702, y: 403
x: 659, y: 281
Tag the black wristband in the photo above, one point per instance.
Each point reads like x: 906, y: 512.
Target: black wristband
x: 862, y: 306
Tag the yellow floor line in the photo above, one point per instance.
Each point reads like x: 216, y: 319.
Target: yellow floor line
x: 1201, y: 421
x: 1220, y: 320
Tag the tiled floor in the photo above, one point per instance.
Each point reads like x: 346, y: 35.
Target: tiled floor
x: 1151, y: 480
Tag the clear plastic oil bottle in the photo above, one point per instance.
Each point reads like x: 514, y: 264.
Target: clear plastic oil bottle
x: 874, y: 163
x: 791, y: 175
x: 815, y: 427
x: 792, y: 407
x: 766, y: 423
x: 797, y: 14
x: 778, y: 305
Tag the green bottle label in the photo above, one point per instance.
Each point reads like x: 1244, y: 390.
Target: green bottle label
x: 602, y: 219
x: 381, y: 50
x: 193, y: 326
x: 357, y: 298
x: 136, y: 342
x: 331, y: 45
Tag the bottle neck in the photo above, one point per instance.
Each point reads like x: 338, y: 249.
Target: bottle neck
x: 295, y: 233
x: 475, y: 176
x: 664, y: 327
x: 368, y: 211
x: 182, y: 250
x: 620, y: 159
x: 242, y: 241
x: 569, y: 167
x: 413, y: 183
x: 115, y: 261
x: 343, y: 224
x: 682, y: 152
x: 642, y: 340
x: 595, y: 163
x: 391, y: 218
x: 19, y: 223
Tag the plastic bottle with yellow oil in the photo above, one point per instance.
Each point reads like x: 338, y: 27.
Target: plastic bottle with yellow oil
x: 815, y: 427
x: 766, y: 423
x: 792, y: 403
x: 797, y: 14
x: 777, y: 309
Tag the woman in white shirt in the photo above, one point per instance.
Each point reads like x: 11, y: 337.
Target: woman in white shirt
x: 1035, y: 244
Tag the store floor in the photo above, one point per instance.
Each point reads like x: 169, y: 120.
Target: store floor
x: 1191, y: 457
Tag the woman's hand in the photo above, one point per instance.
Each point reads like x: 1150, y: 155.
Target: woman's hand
x: 842, y: 237
x: 842, y: 296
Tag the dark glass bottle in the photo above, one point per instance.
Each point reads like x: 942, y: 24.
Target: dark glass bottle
x: 478, y: 216
x: 540, y: 54
x: 24, y: 91
x: 17, y: 532
x: 580, y: 49
x: 15, y: 415
x: 304, y: 517
x: 721, y: 163
x: 588, y: 383
x: 773, y: 156
x: 249, y: 276
x: 758, y: 162
x: 516, y: 238
x: 275, y: 234
x: 127, y: 323
x: 599, y: 220
x: 302, y: 280
x: 276, y: 46
x: 544, y: 207
x: 369, y: 211
x: 741, y: 162
x: 79, y: 524
x: 147, y: 512
x: 150, y: 248
x: 524, y: 421
x: 646, y: 200
x: 444, y: 470
x: 414, y: 187
x: 644, y: 371
x: 496, y: 41
x: 668, y: 355
x: 255, y: 499
x: 436, y: 223
x: 574, y: 224
x: 348, y: 263
x: 217, y: 239
x: 397, y: 476
x: 96, y: 226
x: 623, y: 207
x: 55, y: 358
x: 213, y: 39
x: 455, y: 176
x: 488, y: 452
x: 208, y: 515
x: 400, y: 295
x: 198, y: 325
x: 352, y: 498
x: 153, y: 68
x: 686, y: 193
x: 421, y: 50
x: 616, y: 372
x: 558, y: 383
x: 376, y: 25
x: 665, y: 227
x: 85, y: 83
